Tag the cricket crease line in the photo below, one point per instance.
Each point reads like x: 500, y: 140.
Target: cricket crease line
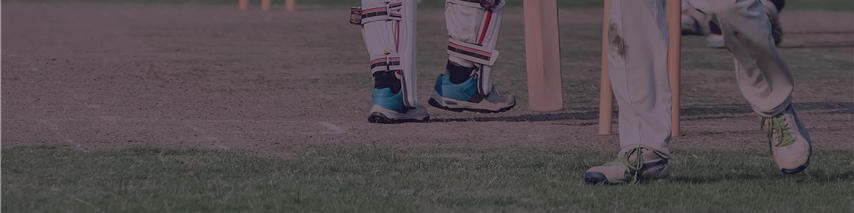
x: 334, y: 128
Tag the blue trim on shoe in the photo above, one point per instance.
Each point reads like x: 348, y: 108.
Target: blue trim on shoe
x: 438, y: 86
x: 388, y: 100
x: 463, y: 91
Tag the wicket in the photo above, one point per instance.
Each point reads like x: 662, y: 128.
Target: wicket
x: 674, y: 61
x: 674, y: 12
x: 265, y: 4
x: 606, y: 93
x: 542, y: 50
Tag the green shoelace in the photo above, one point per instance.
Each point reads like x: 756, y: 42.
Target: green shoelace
x: 625, y: 159
x: 777, y: 125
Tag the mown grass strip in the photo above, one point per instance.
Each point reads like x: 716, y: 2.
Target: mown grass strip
x: 371, y: 179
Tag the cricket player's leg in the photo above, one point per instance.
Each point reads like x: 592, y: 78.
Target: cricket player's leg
x: 473, y: 27
x: 763, y: 78
x: 693, y: 21
x: 388, y: 29
x: 771, y: 8
x: 637, y: 64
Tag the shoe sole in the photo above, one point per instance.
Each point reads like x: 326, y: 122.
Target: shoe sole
x: 433, y: 102
x: 385, y: 116
x: 795, y: 170
x: 645, y: 175
x: 377, y: 117
x: 598, y: 177
x: 595, y: 177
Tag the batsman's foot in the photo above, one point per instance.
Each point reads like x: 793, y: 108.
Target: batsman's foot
x: 388, y: 108
x: 715, y: 41
x: 629, y: 168
x: 464, y: 97
x: 789, y: 141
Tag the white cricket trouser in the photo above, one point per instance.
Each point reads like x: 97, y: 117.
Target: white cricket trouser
x: 637, y: 63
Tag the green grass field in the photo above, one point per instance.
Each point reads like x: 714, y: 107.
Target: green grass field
x: 830, y: 5
x: 378, y: 179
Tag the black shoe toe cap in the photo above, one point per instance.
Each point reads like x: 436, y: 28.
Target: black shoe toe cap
x: 595, y: 177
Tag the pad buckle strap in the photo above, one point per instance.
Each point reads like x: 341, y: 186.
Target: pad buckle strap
x: 472, y: 52
x: 394, y: 11
x: 386, y: 11
x: 482, y: 4
x: 356, y: 15
x: 467, y: 3
x: 386, y: 62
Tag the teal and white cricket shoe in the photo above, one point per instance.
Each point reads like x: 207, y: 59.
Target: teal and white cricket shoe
x: 464, y: 97
x: 388, y: 108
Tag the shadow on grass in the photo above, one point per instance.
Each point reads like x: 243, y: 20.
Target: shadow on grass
x: 702, y: 167
x: 828, y: 45
x: 803, y: 177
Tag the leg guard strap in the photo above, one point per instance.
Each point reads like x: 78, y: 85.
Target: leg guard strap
x: 387, y: 62
x: 378, y: 12
x: 483, y: 4
x: 472, y: 52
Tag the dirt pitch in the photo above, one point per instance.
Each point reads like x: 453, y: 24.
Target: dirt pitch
x: 276, y: 83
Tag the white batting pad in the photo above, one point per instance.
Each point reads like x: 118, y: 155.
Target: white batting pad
x: 473, y: 34
x: 388, y: 28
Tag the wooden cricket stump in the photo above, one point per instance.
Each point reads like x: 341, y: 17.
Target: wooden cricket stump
x: 243, y: 4
x: 542, y: 50
x: 290, y: 4
x: 674, y: 59
x: 674, y: 12
x: 265, y: 4
x: 606, y: 93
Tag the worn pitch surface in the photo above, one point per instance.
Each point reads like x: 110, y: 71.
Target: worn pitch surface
x: 276, y: 83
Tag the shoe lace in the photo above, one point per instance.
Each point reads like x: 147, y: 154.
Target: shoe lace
x: 633, y: 165
x: 777, y: 125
